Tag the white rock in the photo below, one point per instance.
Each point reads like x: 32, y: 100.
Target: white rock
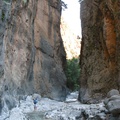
x: 52, y: 109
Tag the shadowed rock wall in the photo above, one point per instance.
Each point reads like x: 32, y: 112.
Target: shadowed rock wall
x: 34, y: 56
x: 4, y: 11
x: 100, y: 53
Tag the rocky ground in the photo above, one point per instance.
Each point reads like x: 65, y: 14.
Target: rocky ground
x: 48, y: 109
x: 71, y: 109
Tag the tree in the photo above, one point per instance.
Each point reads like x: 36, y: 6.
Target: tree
x: 72, y: 73
x: 64, y: 6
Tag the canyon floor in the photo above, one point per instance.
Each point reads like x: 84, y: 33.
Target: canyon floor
x: 48, y: 109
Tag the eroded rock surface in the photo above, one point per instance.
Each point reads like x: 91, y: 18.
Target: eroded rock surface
x: 112, y: 102
x: 100, y: 53
x: 34, y: 56
x: 4, y: 15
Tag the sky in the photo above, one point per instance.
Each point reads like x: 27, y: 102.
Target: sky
x: 72, y: 15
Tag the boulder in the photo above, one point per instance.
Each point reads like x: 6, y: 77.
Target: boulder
x: 100, y: 116
x: 112, y: 103
x: 114, y: 97
x: 112, y: 92
x: 114, y: 106
x: 9, y: 101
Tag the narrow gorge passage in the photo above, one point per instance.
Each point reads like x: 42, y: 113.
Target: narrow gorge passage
x: 71, y: 36
x: 34, y: 60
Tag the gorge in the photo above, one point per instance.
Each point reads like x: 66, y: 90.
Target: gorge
x: 33, y: 58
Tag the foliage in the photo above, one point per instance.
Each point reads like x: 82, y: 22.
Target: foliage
x: 3, y: 16
x: 64, y: 6
x: 80, y: 1
x: 73, y: 73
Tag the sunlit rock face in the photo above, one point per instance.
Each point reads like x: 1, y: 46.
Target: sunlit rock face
x: 71, y: 41
x: 33, y: 50
x: 100, y: 54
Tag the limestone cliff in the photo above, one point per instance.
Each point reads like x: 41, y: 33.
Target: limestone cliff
x: 71, y: 41
x: 100, y: 53
x: 34, y: 56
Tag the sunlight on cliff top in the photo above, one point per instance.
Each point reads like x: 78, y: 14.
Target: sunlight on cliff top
x: 71, y: 41
x: 71, y: 28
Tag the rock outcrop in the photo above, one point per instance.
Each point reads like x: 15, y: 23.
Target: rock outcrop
x: 33, y: 51
x: 100, y: 53
x: 112, y: 105
x: 112, y: 102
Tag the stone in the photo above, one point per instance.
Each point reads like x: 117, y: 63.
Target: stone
x: 112, y: 92
x: 114, y: 97
x: 113, y: 107
x: 48, y: 109
x: 111, y: 117
x: 84, y: 97
x: 43, y: 45
x: 100, y: 116
x: 112, y: 103
x: 106, y: 101
x: 9, y: 101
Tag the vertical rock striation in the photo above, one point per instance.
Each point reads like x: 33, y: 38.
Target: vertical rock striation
x: 2, y: 26
x: 4, y: 11
x: 34, y: 56
x: 100, y: 54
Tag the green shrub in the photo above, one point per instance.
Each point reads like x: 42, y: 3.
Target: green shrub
x: 3, y: 16
x: 73, y: 73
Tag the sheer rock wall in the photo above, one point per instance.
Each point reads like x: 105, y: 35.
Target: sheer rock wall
x: 34, y: 56
x: 100, y: 53
x: 4, y: 11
